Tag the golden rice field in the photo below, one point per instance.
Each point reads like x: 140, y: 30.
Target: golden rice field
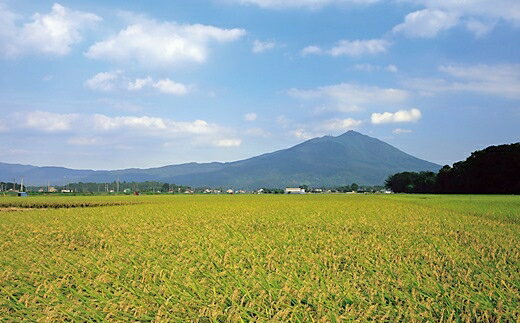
x: 260, y: 258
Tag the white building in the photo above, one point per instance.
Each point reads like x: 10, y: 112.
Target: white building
x: 294, y: 190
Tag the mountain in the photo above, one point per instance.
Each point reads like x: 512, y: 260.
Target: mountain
x: 325, y: 161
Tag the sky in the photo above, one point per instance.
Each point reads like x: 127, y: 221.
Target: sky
x: 119, y: 84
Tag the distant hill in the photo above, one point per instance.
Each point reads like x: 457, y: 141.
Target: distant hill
x: 325, y: 161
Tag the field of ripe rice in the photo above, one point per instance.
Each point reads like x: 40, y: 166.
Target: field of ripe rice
x: 260, y: 258
x: 61, y: 202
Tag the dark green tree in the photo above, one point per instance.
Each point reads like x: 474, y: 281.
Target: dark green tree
x: 494, y: 170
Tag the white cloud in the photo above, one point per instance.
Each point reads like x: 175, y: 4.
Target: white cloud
x: 138, y: 84
x: 303, y: 134
x: 260, y: 46
x: 307, y: 4
x: 311, y: 50
x: 47, y: 121
x: 195, y: 127
x: 499, y: 80
x: 341, y: 124
x: 351, y: 48
x: 359, y: 47
x: 426, y: 23
x: 156, y: 126
x: 373, y: 68
x: 128, y: 131
x: 250, y: 116
x: 105, y: 81
x: 311, y: 130
x: 162, y: 43
x: 392, y: 68
x: 226, y: 143
x: 109, y: 81
x: 478, y: 16
x: 103, y: 122
x: 507, y: 10
x: 399, y: 131
x: 198, y: 131
x: 327, y: 127
x: 170, y: 87
x: 412, y: 115
x: 479, y: 28
x: 348, y: 97
x: 54, y: 33
x: 487, y: 73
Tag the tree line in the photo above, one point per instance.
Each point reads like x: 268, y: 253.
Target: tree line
x: 494, y: 170
x: 9, y: 186
x: 116, y: 187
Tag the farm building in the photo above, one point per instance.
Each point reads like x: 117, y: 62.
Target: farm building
x: 294, y: 190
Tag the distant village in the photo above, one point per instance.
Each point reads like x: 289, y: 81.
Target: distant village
x: 136, y: 188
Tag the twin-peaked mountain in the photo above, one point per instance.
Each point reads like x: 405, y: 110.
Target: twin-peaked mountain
x: 326, y: 161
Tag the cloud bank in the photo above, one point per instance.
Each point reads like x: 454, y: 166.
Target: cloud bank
x: 149, y: 42
x: 53, y: 33
x: 412, y: 115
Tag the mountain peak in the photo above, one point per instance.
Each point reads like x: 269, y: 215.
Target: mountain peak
x: 351, y: 133
x: 325, y: 161
x: 348, y: 134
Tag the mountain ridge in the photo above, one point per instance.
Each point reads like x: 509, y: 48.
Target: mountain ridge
x: 321, y: 161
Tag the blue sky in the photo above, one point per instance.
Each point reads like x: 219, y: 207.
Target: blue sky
x: 107, y: 85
